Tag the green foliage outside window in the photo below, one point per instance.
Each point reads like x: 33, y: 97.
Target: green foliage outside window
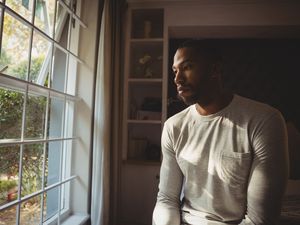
x: 11, y: 111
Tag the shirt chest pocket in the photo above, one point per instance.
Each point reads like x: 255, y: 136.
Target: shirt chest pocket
x: 233, y: 168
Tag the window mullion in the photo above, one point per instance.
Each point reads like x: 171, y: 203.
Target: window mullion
x: 44, y: 159
x: 1, y: 27
x: 73, y: 15
x: 21, y: 154
x: 61, y: 161
x: 69, y: 29
x: 30, y: 41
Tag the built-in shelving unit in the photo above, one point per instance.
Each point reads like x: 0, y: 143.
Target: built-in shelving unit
x: 144, y: 112
x: 143, y: 86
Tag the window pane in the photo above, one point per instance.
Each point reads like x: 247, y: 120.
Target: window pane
x: 53, y: 166
x: 9, y: 173
x: 72, y: 76
x: 30, y: 212
x: 56, y: 110
x: 44, y: 15
x: 11, y: 108
x: 70, y: 107
x: 15, y: 48
x: 64, y: 196
x: 35, y: 116
x: 22, y: 7
x: 74, y: 34
x: 67, y: 2
x: 1, y: 11
x: 40, y: 60
x: 62, y: 26
x: 51, y: 203
x: 8, y: 216
x: 59, y: 70
x: 32, y: 170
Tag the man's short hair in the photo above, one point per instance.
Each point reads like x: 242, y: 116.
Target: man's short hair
x: 207, y: 48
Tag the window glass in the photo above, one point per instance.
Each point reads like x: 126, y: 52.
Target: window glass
x: 22, y: 7
x: 40, y: 59
x: 0, y: 17
x: 54, y: 156
x: 35, y: 117
x: 32, y: 168
x: 56, y: 114
x: 11, y: 110
x: 61, y: 26
x: 72, y: 76
x: 70, y: 108
x: 15, y: 48
x: 51, y: 203
x: 35, y: 121
x: 31, y: 211
x: 58, y: 78
x: 44, y: 15
x: 9, y: 173
x: 8, y: 216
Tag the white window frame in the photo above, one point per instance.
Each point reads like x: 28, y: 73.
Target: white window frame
x: 27, y: 87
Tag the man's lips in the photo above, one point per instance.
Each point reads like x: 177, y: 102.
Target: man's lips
x: 181, y: 89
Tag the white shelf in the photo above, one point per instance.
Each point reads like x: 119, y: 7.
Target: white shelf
x: 144, y: 121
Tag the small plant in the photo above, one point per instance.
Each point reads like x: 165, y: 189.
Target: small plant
x: 5, y: 187
x: 145, y: 65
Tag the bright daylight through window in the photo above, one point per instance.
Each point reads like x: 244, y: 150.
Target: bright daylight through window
x: 38, y: 44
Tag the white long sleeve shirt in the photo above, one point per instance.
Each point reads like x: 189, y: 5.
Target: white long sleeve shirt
x: 229, y: 167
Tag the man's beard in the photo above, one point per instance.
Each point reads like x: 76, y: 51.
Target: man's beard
x: 189, y: 100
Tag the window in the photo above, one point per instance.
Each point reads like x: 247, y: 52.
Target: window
x: 38, y: 44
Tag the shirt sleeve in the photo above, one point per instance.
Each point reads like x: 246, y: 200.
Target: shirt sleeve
x: 167, y: 209
x: 269, y: 172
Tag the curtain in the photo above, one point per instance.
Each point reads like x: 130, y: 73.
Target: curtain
x: 107, y: 117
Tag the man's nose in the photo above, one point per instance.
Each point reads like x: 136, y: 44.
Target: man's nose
x: 179, y: 77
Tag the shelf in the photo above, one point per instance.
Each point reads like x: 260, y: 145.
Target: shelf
x: 141, y: 162
x: 144, y: 121
x: 141, y: 40
x: 147, y: 23
x: 145, y: 80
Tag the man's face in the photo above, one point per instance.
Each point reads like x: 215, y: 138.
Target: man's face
x: 192, y: 76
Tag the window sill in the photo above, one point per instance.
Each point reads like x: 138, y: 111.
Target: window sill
x: 76, y: 219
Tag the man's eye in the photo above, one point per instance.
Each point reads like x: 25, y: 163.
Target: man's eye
x: 175, y: 72
x: 187, y: 67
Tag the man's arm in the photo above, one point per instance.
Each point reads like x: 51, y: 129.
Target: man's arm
x: 167, y: 209
x: 269, y: 172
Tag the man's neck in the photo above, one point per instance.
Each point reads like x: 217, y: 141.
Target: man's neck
x: 215, y: 104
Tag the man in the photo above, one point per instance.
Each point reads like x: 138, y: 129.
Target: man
x: 225, y: 157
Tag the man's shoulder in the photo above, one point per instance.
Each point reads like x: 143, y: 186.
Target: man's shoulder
x: 255, y: 109
x: 179, y: 117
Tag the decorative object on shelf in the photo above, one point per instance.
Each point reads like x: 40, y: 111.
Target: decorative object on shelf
x: 133, y: 109
x: 148, y: 115
x: 152, y: 104
x: 145, y: 65
x: 147, y: 28
x: 137, y: 148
